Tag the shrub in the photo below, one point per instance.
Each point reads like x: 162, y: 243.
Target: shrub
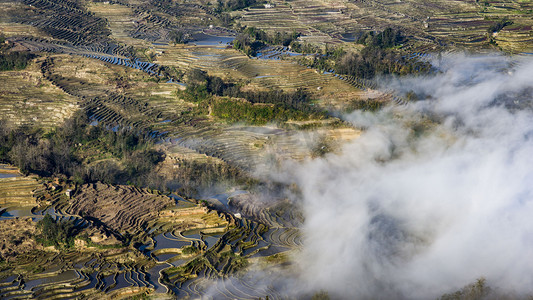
x: 14, y: 60
x: 498, y: 25
x: 56, y: 233
x: 189, y: 250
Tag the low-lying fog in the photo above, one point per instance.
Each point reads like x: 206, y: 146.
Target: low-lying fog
x: 432, y: 196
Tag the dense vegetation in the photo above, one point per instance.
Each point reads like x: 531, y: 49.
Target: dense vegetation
x: 252, y: 39
x: 178, y: 37
x: 365, y: 105
x: 12, y: 60
x: 378, y: 57
x: 388, y: 38
x: 282, y: 106
x: 230, y: 5
x: 56, y: 233
x: 306, y: 48
x: 194, y: 176
x: 257, y: 114
x: 70, y: 149
x: 477, y: 290
x: 370, y: 62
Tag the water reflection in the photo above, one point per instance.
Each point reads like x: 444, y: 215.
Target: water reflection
x: 202, y: 39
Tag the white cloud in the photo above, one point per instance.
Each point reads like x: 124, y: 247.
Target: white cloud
x: 400, y: 215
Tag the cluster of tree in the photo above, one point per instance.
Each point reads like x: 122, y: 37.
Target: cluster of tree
x: 324, y: 59
x: 278, y: 38
x: 388, y: 38
x: 498, y: 25
x: 378, y: 57
x: 255, y: 114
x: 61, y: 151
x: 297, y: 100
x: 25, y: 148
x: 305, y: 48
x: 372, y: 61
x: 319, y: 62
x: 252, y: 39
x: 365, y: 105
x: 476, y: 290
x: 200, y: 86
x: 167, y: 72
x: 56, y: 233
x: 231, y: 5
x: 321, y: 295
x: 247, y: 44
x: 178, y: 37
x: 12, y: 60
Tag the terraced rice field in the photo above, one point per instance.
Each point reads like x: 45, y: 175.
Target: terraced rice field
x: 260, y: 73
x: 121, y: 19
x: 121, y: 208
x: 27, y: 98
x: 319, y: 21
x: 101, y: 97
x: 152, y: 108
x: 18, y: 30
x: 460, y: 24
x: 16, y: 189
x: 89, y: 278
x: 121, y: 272
x: 107, y: 59
x: 116, y: 273
x: 74, y: 25
x: 517, y: 37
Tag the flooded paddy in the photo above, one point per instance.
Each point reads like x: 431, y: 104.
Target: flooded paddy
x: 166, y: 256
x: 121, y: 282
x: 271, y: 251
x: 225, y: 197
x: 210, y: 240
x: 165, y: 241
x: 192, y: 234
x: 202, y: 39
x: 154, y: 275
x: 66, y: 276
x: 7, y: 171
x: 260, y: 247
x: 107, y: 282
x: 8, y: 175
x: 93, y: 281
x: 21, y: 211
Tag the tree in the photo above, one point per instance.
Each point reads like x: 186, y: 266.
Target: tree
x: 56, y: 233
